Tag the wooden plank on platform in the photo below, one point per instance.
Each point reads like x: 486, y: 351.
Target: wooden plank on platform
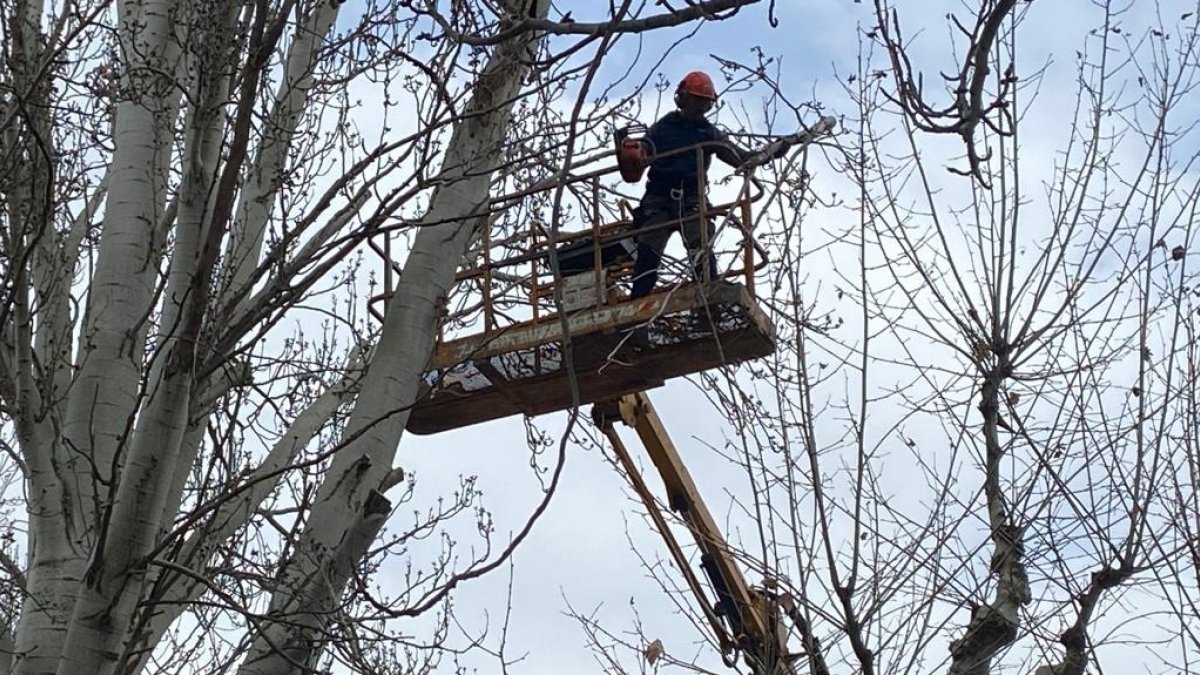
x: 527, y: 335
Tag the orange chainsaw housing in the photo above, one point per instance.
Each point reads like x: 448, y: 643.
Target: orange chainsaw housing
x: 632, y: 160
x: 633, y: 151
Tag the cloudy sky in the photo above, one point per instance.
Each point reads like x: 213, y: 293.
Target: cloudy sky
x: 581, y: 552
x: 589, y: 550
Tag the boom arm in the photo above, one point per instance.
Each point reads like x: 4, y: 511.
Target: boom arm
x: 743, y: 619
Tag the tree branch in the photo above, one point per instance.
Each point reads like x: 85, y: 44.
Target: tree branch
x: 993, y: 626
x: 968, y: 110
x: 709, y: 10
x: 1075, y: 638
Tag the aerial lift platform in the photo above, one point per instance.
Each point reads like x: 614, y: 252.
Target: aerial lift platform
x: 536, y: 297
x: 513, y: 361
x: 521, y: 370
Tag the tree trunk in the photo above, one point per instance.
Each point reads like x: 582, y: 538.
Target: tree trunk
x: 237, y: 511
x: 312, y: 583
x: 105, y: 392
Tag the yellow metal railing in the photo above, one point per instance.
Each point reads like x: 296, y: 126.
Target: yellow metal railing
x: 524, y: 280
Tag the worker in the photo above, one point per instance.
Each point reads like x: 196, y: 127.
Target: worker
x: 673, y: 190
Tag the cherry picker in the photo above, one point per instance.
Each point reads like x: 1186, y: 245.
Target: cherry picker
x: 548, y: 331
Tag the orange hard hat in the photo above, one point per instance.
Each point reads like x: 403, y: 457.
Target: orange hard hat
x: 698, y: 83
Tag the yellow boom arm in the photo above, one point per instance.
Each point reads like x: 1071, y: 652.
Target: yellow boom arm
x: 743, y: 619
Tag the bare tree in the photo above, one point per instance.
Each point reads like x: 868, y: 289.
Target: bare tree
x: 974, y: 450
x: 181, y: 184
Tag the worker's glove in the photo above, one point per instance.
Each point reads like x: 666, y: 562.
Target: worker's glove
x: 823, y: 127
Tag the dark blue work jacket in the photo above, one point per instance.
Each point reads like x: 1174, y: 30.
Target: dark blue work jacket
x: 680, y: 170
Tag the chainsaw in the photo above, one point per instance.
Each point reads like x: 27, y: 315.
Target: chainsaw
x: 634, y: 150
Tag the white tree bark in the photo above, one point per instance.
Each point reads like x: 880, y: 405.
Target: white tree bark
x: 105, y: 391
x: 235, y: 512
x: 245, y: 243
x: 258, y: 195
x: 53, y: 277
x: 347, y: 504
x: 233, y: 374
x: 110, y: 586
x: 6, y: 651
x: 256, y: 200
x: 30, y: 234
x: 118, y: 568
x: 104, y: 394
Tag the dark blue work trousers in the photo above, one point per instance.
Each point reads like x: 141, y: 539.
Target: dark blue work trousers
x: 651, y: 241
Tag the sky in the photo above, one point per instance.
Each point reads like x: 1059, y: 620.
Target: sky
x: 588, y: 551
x: 588, y: 554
